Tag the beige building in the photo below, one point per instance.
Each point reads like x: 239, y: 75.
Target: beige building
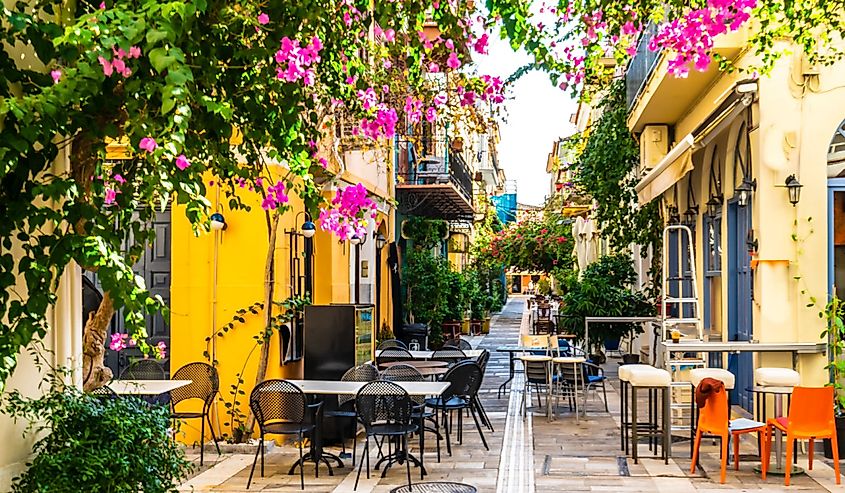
x: 720, y: 150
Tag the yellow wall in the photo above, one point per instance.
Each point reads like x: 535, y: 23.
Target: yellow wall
x: 795, y: 118
x: 241, y: 256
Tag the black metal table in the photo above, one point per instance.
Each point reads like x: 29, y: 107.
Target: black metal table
x: 437, y: 487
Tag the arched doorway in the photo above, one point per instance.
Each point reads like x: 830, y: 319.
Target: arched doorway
x: 836, y: 210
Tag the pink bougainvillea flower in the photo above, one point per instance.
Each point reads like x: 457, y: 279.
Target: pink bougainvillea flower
x: 453, y: 62
x: 161, y: 350
x: 118, y: 178
x: 275, y: 196
x: 390, y: 35
x: 107, y: 66
x: 440, y: 99
x: 323, y: 162
x: 110, y: 195
x: 134, y: 52
x: 263, y: 19
x: 182, y: 162
x: 348, y: 213
x: 433, y: 68
x: 56, y: 74
x: 117, y: 343
x: 481, y: 44
x: 387, y: 64
x: 148, y: 144
x: 102, y: 5
x: 450, y: 44
x: 430, y: 114
x: 119, y: 65
x: 368, y: 98
x: 118, y: 52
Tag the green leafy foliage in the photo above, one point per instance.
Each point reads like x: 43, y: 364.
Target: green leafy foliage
x: 606, y: 170
x: 425, y: 233
x: 536, y: 244
x: 604, y: 290
x: 97, y: 443
x: 426, y: 278
x: 833, y: 313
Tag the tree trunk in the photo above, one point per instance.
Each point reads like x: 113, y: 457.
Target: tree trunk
x: 269, y: 282
x: 94, y: 371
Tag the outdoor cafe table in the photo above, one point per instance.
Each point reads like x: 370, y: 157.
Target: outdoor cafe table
x: 426, y: 368
x: 336, y: 387
x: 146, y: 387
x: 512, y: 349
x: 470, y: 353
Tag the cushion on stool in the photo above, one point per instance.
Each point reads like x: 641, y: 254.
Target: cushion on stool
x: 652, y: 377
x: 776, y: 377
x: 625, y: 370
x: 696, y: 375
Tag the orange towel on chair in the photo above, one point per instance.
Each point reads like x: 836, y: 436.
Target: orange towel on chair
x: 706, y: 387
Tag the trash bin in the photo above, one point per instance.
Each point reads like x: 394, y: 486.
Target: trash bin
x: 415, y: 336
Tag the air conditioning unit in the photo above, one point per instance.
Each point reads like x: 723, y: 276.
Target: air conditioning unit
x: 654, y: 145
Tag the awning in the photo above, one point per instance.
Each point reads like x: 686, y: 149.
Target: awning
x: 670, y: 170
x: 678, y: 162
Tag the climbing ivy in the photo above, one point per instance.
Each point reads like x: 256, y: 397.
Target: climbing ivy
x: 606, y: 170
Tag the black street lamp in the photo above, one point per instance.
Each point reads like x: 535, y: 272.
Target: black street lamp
x: 794, y: 188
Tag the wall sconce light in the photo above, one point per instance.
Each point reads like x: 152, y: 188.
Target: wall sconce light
x: 380, y: 240
x: 357, y: 240
x: 674, y: 217
x: 308, y: 229
x: 714, y: 205
x: 690, y: 216
x: 218, y: 222
x: 744, y: 190
x: 794, y: 188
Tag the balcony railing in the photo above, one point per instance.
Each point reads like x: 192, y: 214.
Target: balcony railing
x: 641, y: 66
x: 430, y: 162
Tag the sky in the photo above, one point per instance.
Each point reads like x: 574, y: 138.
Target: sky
x: 536, y: 114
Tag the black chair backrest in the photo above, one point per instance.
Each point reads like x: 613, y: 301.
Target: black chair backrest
x: 458, y: 343
x: 143, y: 369
x: 544, y: 312
x: 278, y: 401
x: 391, y: 343
x: 361, y: 373
x: 204, y: 383
x: 482, y: 360
x: 449, y: 355
x: 464, y: 379
x: 404, y: 373
x: 392, y: 354
x: 383, y: 402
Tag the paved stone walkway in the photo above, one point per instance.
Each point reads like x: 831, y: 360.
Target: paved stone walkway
x: 525, y: 456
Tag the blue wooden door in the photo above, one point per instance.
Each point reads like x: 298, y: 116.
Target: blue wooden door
x: 740, y: 300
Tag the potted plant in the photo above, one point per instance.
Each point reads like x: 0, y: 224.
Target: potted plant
x: 835, y: 335
x: 454, y: 304
x: 604, y: 291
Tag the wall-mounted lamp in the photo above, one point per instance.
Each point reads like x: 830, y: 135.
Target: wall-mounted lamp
x: 691, y: 216
x: 218, y: 222
x: 744, y: 190
x: 357, y: 240
x: 380, y: 240
x: 674, y: 217
x: 714, y: 205
x: 308, y: 229
x: 793, y: 186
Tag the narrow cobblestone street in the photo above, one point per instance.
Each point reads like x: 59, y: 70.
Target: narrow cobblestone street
x: 531, y: 455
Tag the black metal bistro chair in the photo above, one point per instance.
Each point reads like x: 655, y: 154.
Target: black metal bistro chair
x: 385, y: 410
x: 407, y: 373
x: 461, y: 344
x: 281, y: 408
x: 391, y: 343
x: 482, y: 361
x: 346, y: 403
x: 204, y: 386
x: 143, y: 369
x: 449, y: 355
x: 393, y: 354
x: 465, y: 380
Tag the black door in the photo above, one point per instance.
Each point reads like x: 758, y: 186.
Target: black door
x: 154, y: 267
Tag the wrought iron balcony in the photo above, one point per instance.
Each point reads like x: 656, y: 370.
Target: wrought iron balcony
x: 433, y: 180
x: 641, y: 66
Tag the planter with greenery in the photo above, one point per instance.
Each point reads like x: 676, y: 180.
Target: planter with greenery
x: 96, y: 443
x: 425, y: 277
x: 604, y: 290
x: 835, y: 335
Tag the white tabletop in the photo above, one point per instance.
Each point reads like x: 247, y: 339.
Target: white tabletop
x: 534, y: 357
x: 335, y: 387
x: 146, y: 387
x: 471, y: 353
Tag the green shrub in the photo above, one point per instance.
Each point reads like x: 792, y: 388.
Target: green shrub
x: 604, y: 290
x: 97, y: 444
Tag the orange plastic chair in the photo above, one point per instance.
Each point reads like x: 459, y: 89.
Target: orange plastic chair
x: 713, y: 419
x: 810, y: 418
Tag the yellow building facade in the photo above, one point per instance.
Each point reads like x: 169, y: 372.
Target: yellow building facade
x: 215, y: 274
x: 718, y: 149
